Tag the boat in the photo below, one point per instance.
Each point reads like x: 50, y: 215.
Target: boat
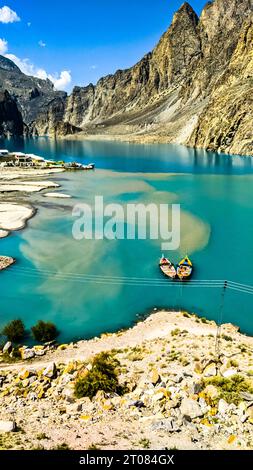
x: 185, y: 269
x: 90, y: 166
x: 168, y: 268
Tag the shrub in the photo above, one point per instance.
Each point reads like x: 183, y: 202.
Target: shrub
x: 175, y: 332
x: 14, y: 330
x: 230, y: 389
x: 44, y: 331
x: 103, y: 376
x: 227, y: 338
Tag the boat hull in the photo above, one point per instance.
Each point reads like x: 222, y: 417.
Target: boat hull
x: 168, y: 269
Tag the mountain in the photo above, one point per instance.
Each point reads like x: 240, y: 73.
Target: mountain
x: 11, y: 122
x: 194, y: 88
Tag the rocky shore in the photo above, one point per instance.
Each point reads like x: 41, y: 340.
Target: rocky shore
x: 178, y: 393
x: 5, y: 262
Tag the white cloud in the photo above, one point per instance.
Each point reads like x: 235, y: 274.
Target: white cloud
x: 3, y: 46
x: 61, y: 81
x: 8, y: 16
x: 29, y: 24
x: 93, y: 67
x: 42, y: 43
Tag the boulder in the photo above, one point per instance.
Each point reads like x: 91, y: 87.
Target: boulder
x: 211, y: 392
x: 27, y: 353
x: 40, y: 352
x: 155, y: 377
x: 7, y: 347
x: 210, y: 370
x: 223, y: 406
x: 250, y: 414
x: 158, y: 396
x: 191, y: 408
x: 7, y: 426
x: 247, y: 396
x: 196, y: 388
x: 228, y: 372
x: 50, y: 371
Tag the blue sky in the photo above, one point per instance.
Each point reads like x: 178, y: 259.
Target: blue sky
x: 87, y: 39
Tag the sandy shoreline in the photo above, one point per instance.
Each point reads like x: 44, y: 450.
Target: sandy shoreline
x: 15, y: 215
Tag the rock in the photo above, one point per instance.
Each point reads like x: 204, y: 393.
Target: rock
x: 50, y: 371
x: 74, y: 408
x: 210, y: 370
x: 168, y: 425
x: 155, y: 377
x: 40, y: 352
x: 27, y: 353
x: 223, y: 406
x: 7, y: 426
x: 196, y: 388
x: 198, y: 368
x: 250, y: 414
x: 191, y: 408
x: 7, y: 347
x: 138, y: 404
x: 158, y: 396
x: 211, y: 392
x: 228, y: 372
x: 68, y: 394
x: 247, y: 396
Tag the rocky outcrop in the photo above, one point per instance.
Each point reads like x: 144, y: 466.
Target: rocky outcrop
x: 226, y: 123
x: 11, y: 122
x: 32, y: 95
x: 173, y: 392
x: 194, y: 88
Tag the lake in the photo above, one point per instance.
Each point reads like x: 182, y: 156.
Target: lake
x: 89, y: 287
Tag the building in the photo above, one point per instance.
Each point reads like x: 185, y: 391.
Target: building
x: 21, y: 159
x: 4, y: 153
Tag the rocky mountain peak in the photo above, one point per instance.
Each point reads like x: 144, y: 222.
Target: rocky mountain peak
x: 8, y: 65
x: 186, y: 10
x: 228, y: 14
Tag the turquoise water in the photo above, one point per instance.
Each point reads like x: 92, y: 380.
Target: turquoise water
x: 54, y: 275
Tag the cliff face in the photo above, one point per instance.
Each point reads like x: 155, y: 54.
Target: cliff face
x: 32, y: 95
x: 11, y: 122
x: 194, y: 88
x: 226, y: 123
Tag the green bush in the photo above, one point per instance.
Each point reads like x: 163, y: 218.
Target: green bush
x: 103, y: 376
x: 230, y: 389
x: 14, y: 330
x: 44, y: 331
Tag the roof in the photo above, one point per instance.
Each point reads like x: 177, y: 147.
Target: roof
x: 35, y: 157
x: 19, y: 154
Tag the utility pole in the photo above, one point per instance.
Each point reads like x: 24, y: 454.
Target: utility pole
x: 220, y: 321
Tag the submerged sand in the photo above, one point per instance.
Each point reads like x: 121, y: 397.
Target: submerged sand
x: 14, y: 216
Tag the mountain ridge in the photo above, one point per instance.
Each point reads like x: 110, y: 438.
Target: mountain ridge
x: 168, y: 94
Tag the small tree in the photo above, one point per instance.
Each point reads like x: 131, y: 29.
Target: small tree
x: 44, y: 331
x: 15, y: 330
x: 103, y: 376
